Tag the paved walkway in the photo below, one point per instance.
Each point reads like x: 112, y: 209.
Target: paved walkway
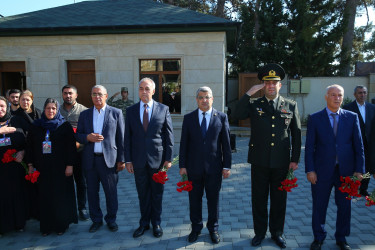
x: 236, y: 225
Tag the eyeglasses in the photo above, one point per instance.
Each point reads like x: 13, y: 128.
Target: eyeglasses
x: 97, y: 94
x: 204, y: 97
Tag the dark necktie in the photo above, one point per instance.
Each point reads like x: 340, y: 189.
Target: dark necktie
x: 204, y: 125
x: 145, y: 118
x: 334, y: 115
x: 272, y: 108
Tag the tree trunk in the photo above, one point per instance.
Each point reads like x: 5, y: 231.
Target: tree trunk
x: 256, y: 23
x: 347, y: 41
x: 220, y: 8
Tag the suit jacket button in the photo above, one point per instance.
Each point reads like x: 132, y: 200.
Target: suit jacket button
x: 272, y: 144
x: 273, y: 125
x: 273, y: 135
x: 273, y: 117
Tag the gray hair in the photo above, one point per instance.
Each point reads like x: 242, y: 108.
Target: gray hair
x: 99, y: 87
x: 149, y: 80
x: 204, y: 89
x: 335, y: 86
x: 359, y: 87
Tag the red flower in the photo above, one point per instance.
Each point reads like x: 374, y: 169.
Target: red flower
x: 184, y: 184
x: 289, y: 183
x: 161, y: 176
x: 9, y: 156
x: 33, y: 177
x: 75, y: 130
x: 350, y: 185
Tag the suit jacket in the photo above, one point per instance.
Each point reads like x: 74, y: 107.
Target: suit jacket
x: 153, y: 146
x: 322, y: 146
x: 205, y: 155
x: 370, y: 114
x: 113, y: 132
x: 270, y: 143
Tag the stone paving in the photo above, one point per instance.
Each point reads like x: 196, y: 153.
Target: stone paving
x: 236, y: 225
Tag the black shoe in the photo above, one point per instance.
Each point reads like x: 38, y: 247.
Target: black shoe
x: 279, y: 240
x: 343, y: 245
x: 215, y: 237
x: 257, y: 240
x: 193, y: 236
x: 140, y: 231
x: 83, y: 215
x: 364, y: 193
x: 316, y: 245
x: 157, y: 231
x: 95, y: 226
x: 112, y: 226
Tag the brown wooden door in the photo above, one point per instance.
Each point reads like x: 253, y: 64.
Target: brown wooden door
x: 12, y: 76
x: 247, y: 80
x: 81, y: 74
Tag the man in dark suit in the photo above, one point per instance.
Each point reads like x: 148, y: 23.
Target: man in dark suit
x: 148, y: 147
x: 101, y: 130
x: 205, y: 156
x: 274, y: 119
x: 366, y: 114
x: 333, y: 148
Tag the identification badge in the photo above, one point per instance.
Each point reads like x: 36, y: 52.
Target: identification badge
x: 47, y: 147
x: 287, y: 121
x: 5, y: 141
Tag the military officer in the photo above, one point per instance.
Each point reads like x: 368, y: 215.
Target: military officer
x: 271, y: 152
x: 122, y: 103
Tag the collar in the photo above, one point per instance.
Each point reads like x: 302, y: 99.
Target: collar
x: 359, y: 105
x: 149, y: 104
x: 274, y: 100
x: 73, y: 106
x: 208, y: 112
x: 102, y: 109
x: 329, y: 112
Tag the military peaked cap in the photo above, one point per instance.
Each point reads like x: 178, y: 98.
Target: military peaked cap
x: 271, y: 71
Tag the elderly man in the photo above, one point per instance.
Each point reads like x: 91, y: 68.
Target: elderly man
x: 333, y: 148
x: 101, y: 130
x: 71, y: 110
x: 366, y: 114
x: 205, y: 156
x: 274, y: 148
x: 122, y: 103
x: 148, y: 147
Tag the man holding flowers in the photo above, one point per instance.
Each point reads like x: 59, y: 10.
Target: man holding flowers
x: 334, y: 148
x: 274, y: 148
x: 205, y: 156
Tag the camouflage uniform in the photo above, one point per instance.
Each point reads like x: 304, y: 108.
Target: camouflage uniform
x: 120, y: 104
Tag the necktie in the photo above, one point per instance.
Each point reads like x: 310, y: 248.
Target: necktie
x: 145, y: 118
x: 204, y: 125
x: 334, y: 115
x: 271, y: 102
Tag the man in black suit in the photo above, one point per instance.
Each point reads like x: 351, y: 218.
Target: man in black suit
x: 205, y: 156
x: 366, y: 114
x: 148, y: 147
x: 274, y: 119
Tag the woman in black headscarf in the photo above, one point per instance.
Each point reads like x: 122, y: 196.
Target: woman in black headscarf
x: 12, y: 173
x: 27, y: 110
x: 51, y: 150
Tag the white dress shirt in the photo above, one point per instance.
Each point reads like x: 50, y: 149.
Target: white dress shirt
x: 362, y: 110
x: 207, y: 115
x: 142, y: 109
x: 98, y: 121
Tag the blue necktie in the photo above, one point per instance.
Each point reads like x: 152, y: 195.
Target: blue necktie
x: 334, y: 126
x: 204, y: 126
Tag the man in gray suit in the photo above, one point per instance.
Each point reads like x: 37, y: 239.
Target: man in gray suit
x: 101, y: 130
x: 366, y: 114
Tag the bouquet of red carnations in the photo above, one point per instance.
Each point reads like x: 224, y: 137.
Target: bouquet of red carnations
x: 370, y: 199
x: 184, y: 184
x: 161, y: 176
x: 350, y: 185
x: 10, y: 155
x: 289, y: 182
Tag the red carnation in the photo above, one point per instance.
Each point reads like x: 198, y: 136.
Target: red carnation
x: 289, y: 182
x: 184, y: 184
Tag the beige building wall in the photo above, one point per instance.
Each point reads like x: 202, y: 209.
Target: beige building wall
x: 116, y: 61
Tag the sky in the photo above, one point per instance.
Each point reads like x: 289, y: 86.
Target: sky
x: 14, y: 7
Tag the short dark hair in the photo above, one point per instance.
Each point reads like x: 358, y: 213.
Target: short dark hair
x: 14, y: 91
x: 359, y: 87
x: 68, y: 86
x: 51, y: 100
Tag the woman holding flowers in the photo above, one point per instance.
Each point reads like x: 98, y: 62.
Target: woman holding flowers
x: 12, y: 174
x: 51, y: 150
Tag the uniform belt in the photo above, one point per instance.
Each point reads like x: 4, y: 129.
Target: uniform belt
x: 98, y: 154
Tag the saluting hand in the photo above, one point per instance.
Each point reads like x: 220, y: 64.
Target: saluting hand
x: 95, y: 137
x: 255, y: 89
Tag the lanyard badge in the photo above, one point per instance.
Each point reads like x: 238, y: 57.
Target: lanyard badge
x: 5, y: 141
x: 47, y: 145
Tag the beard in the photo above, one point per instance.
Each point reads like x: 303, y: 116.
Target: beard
x: 70, y: 102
